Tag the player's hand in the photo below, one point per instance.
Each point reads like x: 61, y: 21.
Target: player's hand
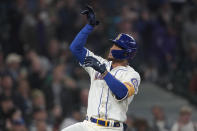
x: 95, y: 64
x: 89, y: 12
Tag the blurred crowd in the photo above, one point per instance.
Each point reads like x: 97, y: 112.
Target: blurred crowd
x: 160, y: 121
x: 42, y: 87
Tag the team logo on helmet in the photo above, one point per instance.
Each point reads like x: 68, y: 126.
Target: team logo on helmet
x: 118, y: 37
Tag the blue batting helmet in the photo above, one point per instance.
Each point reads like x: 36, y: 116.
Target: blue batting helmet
x: 128, y: 45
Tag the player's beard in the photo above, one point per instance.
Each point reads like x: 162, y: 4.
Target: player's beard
x: 110, y: 59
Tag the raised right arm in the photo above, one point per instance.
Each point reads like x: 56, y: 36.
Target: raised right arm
x: 77, y: 46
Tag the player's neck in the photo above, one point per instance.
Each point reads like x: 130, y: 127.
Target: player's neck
x: 116, y: 63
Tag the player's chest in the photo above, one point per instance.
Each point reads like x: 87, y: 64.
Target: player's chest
x: 98, y: 76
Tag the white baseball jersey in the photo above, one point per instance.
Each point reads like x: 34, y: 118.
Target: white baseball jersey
x: 102, y: 103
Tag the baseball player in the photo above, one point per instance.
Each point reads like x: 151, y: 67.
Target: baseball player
x: 113, y: 82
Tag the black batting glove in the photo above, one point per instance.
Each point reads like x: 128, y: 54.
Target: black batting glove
x: 95, y: 64
x: 89, y: 12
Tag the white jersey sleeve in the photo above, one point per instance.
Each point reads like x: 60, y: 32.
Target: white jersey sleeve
x: 134, y: 79
x: 130, y: 78
x: 90, y: 70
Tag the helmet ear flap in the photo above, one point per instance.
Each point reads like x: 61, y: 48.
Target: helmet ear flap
x: 129, y: 50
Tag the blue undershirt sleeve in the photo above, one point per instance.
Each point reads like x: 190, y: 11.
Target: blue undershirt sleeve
x: 118, y: 88
x: 77, y: 45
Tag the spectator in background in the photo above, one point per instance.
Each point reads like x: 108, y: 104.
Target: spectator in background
x: 129, y: 14
x: 13, y: 65
x: 23, y: 99
x: 164, y: 40
x: 54, y: 89
x: 6, y: 106
x: 84, y: 101
x: 39, y: 121
x: 17, y: 122
x: 0, y: 87
x: 72, y: 119
x: 41, y: 29
x: 169, y: 49
x: 192, y: 58
x: 60, y: 90
x: 37, y: 72
x: 41, y: 126
x: 53, y: 51
x: 193, y: 83
x: 81, y: 77
x: 18, y: 126
x: 38, y: 99
x: 11, y: 20
x: 190, y: 30
x: 184, y: 123
x: 55, y: 117
x: 159, y: 121
x: 7, y: 86
x: 31, y: 55
x: 130, y: 123
x: 67, y: 17
x: 126, y: 26
x: 144, y: 28
x: 141, y: 124
x: 1, y: 61
x: 191, y: 68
